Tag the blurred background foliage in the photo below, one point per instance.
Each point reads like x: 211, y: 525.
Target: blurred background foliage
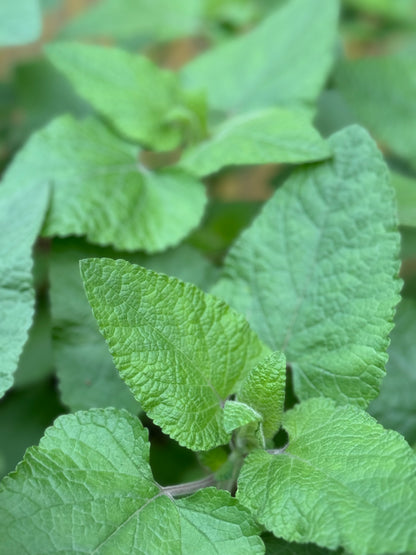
x: 372, y: 82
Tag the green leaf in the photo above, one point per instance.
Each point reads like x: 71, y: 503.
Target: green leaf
x: 21, y: 215
x: 101, y: 190
x: 406, y: 198
x: 238, y: 414
x: 89, y: 488
x: 381, y: 91
x: 276, y: 135
x: 155, y: 20
x: 283, y: 61
x: 86, y: 372
x: 181, y: 352
x: 20, y: 22
x: 316, y: 273
x: 136, y: 96
x: 263, y: 389
x: 343, y: 481
x: 395, y: 407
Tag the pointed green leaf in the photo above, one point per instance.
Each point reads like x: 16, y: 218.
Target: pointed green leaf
x: 21, y: 216
x: 135, y: 95
x: 343, y: 481
x: 372, y: 84
x: 284, y: 60
x: 89, y: 488
x: 276, y: 135
x: 238, y: 414
x: 181, y: 352
x: 395, y: 407
x: 328, y: 237
x: 86, y: 373
x: 101, y: 190
x: 264, y: 390
x: 20, y: 22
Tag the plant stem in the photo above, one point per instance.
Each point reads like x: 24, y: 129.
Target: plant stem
x: 189, y: 487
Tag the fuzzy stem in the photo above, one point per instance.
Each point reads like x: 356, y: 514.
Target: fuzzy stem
x: 189, y: 487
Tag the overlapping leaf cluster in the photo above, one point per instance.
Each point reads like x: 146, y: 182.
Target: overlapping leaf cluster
x: 287, y: 339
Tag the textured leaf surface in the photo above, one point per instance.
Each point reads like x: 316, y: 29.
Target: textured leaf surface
x: 275, y: 135
x: 328, y: 238
x: 181, y: 352
x: 238, y: 414
x: 405, y: 188
x: 284, y: 60
x: 148, y: 20
x: 20, y: 22
x: 343, y: 480
x: 264, y: 390
x: 101, y: 190
x: 381, y: 91
x: 86, y: 372
x: 89, y: 488
x: 395, y: 407
x: 19, y: 227
x: 134, y: 94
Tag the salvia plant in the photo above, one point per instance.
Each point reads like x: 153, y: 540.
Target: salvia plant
x: 248, y: 341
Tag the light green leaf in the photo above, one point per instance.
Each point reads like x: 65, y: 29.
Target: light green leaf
x: 181, y: 352
x: 316, y: 273
x: 395, y: 407
x: 86, y: 372
x: 264, y: 390
x: 238, y: 414
x: 135, y: 95
x: 21, y: 215
x: 101, y: 190
x: 381, y: 91
x: 148, y: 20
x: 343, y: 481
x: 275, y: 135
x: 406, y: 198
x: 283, y: 61
x: 89, y: 488
x: 20, y: 22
